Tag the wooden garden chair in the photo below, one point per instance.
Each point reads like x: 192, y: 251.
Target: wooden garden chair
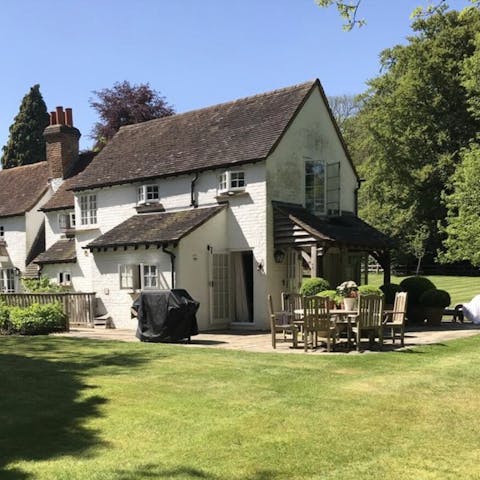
x: 293, y: 303
x: 282, y: 322
x: 395, y: 319
x: 317, y: 323
x: 369, y: 319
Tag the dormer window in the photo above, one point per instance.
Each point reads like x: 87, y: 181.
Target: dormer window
x: 231, y: 182
x: 148, y: 194
x: 66, y: 221
x: 88, y: 209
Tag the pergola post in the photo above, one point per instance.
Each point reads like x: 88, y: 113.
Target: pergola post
x: 313, y: 261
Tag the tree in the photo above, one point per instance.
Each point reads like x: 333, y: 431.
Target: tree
x: 26, y: 144
x: 416, y: 118
x: 125, y: 104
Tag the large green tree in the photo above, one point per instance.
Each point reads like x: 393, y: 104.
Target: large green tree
x: 416, y: 118
x: 26, y: 143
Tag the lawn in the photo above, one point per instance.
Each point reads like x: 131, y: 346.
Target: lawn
x: 461, y: 289
x: 83, y: 409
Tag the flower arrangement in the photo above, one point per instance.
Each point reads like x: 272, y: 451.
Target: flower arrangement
x: 348, y: 289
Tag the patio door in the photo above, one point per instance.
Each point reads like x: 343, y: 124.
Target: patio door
x: 219, y: 288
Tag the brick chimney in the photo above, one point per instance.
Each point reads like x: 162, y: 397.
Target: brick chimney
x: 62, y: 140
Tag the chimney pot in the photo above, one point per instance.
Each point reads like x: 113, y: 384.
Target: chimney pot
x: 69, y: 117
x: 60, y: 115
x: 53, y: 118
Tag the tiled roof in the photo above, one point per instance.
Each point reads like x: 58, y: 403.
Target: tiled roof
x: 294, y: 224
x: 63, y: 198
x: 155, y: 228
x: 62, y: 251
x: 21, y: 188
x: 223, y: 135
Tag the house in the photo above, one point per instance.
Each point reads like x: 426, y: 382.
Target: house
x: 228, y: 202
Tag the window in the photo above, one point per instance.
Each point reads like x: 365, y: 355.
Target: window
x: 315, y: 186
x: 148, y: 193
x: 129, y: 276
x: 149, y: 276
x: 2, y: 231
x: 7, y: 280
x: 66, y: 220
x: 64, y: 278
x: 231, y: 182
x: 88, y: 209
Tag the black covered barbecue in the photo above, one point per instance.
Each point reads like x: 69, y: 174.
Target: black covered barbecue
x: 166, y: 316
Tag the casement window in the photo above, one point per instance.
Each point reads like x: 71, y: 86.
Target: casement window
x: 231, y: 182
x: 88, y: 209
x: 66, y: 221
x: 315, y: 186
x: 7, y: 280
x: 64, y: 278
x: 133, y: 277
x: 148, y: 194
x: 2, y: 231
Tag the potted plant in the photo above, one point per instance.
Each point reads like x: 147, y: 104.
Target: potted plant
x: 349, y: 291
x: 434, y: 301
x: 334, y: 299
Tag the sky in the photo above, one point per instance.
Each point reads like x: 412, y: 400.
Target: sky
x: 196, y: 53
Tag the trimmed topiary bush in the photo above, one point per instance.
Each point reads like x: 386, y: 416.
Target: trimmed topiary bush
x: 390, y: 290
x: 435, y: 298
x: 369, y: 290
x: 312, y: 286
x: 36, y: 319
x: 416, y: 286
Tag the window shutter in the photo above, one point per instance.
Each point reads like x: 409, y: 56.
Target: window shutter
x: 333, y: 188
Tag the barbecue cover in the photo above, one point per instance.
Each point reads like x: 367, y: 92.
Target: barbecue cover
x: 166, y: 316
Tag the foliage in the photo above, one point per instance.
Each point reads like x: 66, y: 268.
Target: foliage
x: 125, y: 104
x: 435, y: 298
x: 312, y: 286
x: 332, y: 295
x: 416, y: 286
x: 390, y: 290
x: 26, y: 144
x: 347, y: 289
x: 463, y: 204
x: 37, y: 319
x: 43, y: 285
x: 369, y: 290
x: 4, y: 318
x: 416, y: 118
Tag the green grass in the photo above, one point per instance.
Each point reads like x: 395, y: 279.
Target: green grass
x: 461, y: 289
x: 78, y: 409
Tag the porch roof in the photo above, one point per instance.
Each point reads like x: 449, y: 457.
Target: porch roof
x: 155, y: 228
x: 62, y: 251
x: 294, y: 226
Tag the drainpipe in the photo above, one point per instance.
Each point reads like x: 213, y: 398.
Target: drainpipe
x: 360, y: 181
x: 193, y: 202
x: 172, y: 261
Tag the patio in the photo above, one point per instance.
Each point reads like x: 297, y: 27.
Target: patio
x: 259, y: 341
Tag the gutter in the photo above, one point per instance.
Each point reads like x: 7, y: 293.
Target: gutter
x: 172, y: 262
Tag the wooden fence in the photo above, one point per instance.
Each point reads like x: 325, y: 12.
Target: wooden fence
x: 79, y: 307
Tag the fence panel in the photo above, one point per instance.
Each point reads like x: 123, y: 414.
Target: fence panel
x: 79, y: 307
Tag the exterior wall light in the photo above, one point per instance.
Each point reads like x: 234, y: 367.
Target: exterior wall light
x: 279, y: 256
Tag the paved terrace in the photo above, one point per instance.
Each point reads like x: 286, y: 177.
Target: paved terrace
x: 257, y: 341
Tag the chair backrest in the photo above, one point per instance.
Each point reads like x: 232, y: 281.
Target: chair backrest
x: 270, y: 306
x: 292, y: 302
x: 317, y: 313
x: 370, y: 310
x: 399, y: 308
x: 277, y: 318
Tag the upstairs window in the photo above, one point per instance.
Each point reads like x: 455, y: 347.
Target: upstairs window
x: 66, y: 221
x: 315, y: 186
x: 88, y: 209
x: 232, y: 182
x: 148, y: 194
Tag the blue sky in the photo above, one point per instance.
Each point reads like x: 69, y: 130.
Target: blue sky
x: 196, y: 53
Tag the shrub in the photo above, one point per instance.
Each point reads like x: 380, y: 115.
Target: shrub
x: 369, y: 290
x: 312, y: 286
x: 435, y: 298
x: 332, y: 295
x: 390, y: 290
x: 43, y: 285
x: 4, y: 319
x: 37, y: 319
x: 416, y: 286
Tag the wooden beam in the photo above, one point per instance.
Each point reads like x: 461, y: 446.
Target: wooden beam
x: 313, y: 264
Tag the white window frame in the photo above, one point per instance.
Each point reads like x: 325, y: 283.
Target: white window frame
x: 64, y: 278
x: 128, y: 276
x: 66, y: 221
x: 88, y: 209
x: 73, y: 222
x: 7, y: 280
x: 232, y: 181
x: 148, y: 193
x: 149, y: 276
x: 321, y: 200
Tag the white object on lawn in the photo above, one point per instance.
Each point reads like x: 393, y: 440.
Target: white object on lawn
x: 471, y: 310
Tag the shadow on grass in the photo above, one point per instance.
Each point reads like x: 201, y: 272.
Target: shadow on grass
x: 45, y: 402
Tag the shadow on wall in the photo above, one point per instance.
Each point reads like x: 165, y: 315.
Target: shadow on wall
x: 44, y: 404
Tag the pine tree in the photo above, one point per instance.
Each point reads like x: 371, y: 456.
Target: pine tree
x: 26, y: 143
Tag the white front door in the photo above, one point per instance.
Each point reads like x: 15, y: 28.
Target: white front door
x: 219, y: 288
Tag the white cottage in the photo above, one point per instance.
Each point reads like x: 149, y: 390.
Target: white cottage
x: 229, y: 202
